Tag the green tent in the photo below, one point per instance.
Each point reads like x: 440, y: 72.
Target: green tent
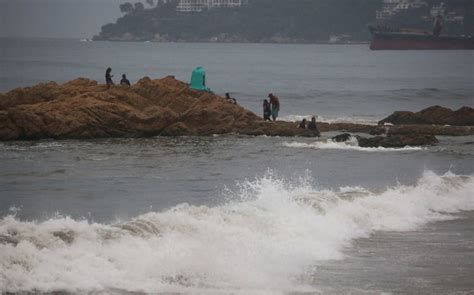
x: 198, y: 79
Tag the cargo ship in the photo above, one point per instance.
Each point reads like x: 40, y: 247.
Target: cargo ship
x: 384, y: 38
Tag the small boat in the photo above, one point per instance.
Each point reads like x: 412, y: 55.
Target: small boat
x: 384, y: 38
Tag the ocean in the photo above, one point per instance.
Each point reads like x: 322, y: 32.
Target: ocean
x: 233, y: 214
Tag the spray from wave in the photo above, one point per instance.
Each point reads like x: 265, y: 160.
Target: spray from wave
x: 260, y: 241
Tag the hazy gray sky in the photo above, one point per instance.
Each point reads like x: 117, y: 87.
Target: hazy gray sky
x: 56, y: 18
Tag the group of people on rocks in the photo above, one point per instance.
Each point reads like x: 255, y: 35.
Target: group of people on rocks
x: 311, y: 125
x: 110, y: 82
x: 271, y: 108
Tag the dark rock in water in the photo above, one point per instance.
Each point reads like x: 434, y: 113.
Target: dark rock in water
x: 8, y: 240
x: 431, y: 130
x: 84, y: 109
x: 398, y: 129
x: 394, y: 141
x: 351, y: 127
x: 397, y: 141
x: 342, y: 137
x: 435, y: 115
x: 67, y: 236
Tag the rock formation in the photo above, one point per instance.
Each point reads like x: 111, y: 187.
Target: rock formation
x: 84, y: 109
x: 391, y: 141
x: 397, y: 141
x: 342, y: 137
x: 435, y: 115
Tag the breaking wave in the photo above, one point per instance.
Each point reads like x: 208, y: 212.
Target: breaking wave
x: 260, y: 241
x: 327, y: 119
x: 349, y: 145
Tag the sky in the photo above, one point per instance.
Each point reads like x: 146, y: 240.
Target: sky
x: 56, y: 18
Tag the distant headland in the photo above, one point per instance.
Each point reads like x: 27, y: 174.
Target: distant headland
x: 278, y: 21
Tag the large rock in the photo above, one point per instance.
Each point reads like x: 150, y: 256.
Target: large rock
x: 391, y: 141
x: 84, y: 109
x: 398, y: 129
x: 431, y: 130
x: 397, y: 141
x: 352, y: 127
x: 342, y: 137
x: 435, y: 115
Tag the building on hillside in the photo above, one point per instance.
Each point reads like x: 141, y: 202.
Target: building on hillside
x: 438, y: 10
x: 393, y: 7
x: 201, y: 5
x: 455, y: 16
x: 449, y: 15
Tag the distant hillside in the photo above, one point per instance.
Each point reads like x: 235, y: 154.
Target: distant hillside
x: 279, y: 21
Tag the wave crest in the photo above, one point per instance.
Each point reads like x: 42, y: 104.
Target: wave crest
x: 265, y: 237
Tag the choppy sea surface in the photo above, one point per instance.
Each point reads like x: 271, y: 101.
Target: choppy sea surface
x: 238, y: 214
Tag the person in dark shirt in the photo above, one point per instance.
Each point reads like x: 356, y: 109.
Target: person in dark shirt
x: 267, y: 111
x: 108, y: 78
x: 312, y: 125
x: 302, y: 125
x: 124, y: 81
x: 230, y: 99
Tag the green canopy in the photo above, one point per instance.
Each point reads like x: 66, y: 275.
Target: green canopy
x: 198, y: 79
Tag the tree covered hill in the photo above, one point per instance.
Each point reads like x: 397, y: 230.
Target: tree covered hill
x: 281, y: 21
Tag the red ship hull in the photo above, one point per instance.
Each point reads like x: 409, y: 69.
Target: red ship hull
x: 417, y: 45
x: 417, y: 41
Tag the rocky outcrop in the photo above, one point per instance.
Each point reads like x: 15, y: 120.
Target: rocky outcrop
x: 84, y: 109
x: 342, y: 137
x: 397, y: 141
x: 391, y: 141
x: 430, y: 130
x: 353, y: 127
x: 434, y: 115
x: 397, y: 129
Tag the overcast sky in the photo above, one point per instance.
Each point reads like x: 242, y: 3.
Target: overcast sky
x: 56, y: 18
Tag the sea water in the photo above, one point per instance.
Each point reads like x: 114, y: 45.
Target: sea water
x: 239, y: 214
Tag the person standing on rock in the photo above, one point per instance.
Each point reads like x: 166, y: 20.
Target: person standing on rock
x: 124, y: 81
x: 267, y: 110
x: 275, y: 103
x: 108, y: 78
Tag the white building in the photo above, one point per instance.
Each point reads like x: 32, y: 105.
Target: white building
x: 438, y: 10
x: 200, y: 5
x: 392, y: 7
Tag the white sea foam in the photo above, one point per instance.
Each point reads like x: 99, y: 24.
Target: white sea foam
x: 329, y: 119
x: 260, y: 242
x: 349, y: 145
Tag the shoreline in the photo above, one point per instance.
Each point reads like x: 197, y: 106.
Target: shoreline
x: 87, y: 40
